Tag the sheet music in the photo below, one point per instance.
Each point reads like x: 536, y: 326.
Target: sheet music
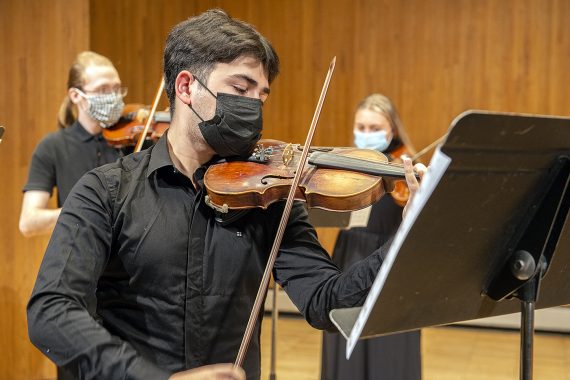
x: 437, y: 167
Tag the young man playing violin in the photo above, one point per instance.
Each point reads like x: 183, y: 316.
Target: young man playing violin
x: 62, y: 157
x: 174, y: 282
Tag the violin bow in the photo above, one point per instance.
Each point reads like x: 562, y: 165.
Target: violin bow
x: 142, y: 137
x: 428, y: 148
x: 283, y: 223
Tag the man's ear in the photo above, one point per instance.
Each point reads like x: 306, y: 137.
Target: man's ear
x: 74, y: 96
x: 183, y: 86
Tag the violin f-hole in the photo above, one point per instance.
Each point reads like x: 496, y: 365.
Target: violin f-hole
x: 273, y: 176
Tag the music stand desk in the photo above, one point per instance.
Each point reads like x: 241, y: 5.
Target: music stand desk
x: 499, y: 187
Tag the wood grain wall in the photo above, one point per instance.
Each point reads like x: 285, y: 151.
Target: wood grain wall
x: 38, y: 41
x: 435, y: 59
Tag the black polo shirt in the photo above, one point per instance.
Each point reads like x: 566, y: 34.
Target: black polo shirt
x: 175, y: 285
x: 62, y: 157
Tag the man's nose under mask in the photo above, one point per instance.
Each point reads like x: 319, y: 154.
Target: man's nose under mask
x: 236, y: 127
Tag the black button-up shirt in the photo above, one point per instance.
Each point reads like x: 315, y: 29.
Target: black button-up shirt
x: 63, y: 157
x: 174, y: 285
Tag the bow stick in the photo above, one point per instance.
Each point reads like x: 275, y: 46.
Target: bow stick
x: 281, y: 230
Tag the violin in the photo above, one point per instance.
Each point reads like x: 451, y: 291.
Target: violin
x: 127, y: 131
x: 336, y: 179
x: 401, y: 193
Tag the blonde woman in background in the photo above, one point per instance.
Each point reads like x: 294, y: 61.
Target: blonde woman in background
x: 376, y: 126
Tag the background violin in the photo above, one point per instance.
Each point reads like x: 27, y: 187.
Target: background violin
x: 337, y: 179
x: 401, y: 193
x: 128, y: 129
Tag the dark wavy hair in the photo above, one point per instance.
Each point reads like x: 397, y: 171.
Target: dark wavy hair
x: 200, y: 42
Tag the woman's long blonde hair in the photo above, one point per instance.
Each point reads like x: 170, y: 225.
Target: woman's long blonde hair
x: 383, y: 105
x: 76, y: 79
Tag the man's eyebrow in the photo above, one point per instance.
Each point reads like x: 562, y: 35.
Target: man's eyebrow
x: 251, y: 81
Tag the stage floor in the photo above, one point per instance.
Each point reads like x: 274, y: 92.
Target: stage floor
x: 448, y: 353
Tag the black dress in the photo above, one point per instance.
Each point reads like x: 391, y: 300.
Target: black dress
x: 389, y: 357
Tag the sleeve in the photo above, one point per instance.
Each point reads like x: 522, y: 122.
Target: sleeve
x: 59, y: 322
x: 42, y: 168
x: 313, y: 282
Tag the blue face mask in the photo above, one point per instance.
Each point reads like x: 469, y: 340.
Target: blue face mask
x: 371, y: 140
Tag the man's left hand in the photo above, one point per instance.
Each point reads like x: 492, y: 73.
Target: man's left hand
x: 411, y: 180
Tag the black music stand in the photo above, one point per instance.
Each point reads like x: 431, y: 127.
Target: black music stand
x: 492, y: 236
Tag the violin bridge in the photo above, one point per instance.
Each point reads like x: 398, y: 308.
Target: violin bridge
x: 287, y: 154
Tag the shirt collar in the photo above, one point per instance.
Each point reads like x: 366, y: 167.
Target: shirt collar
x: 81, y: 133
x: 159, y: 156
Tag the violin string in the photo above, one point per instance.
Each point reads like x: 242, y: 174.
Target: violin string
x: 335, y: 161
x: 280, y: 147
x: 426, y: 149
x: 277, y: 149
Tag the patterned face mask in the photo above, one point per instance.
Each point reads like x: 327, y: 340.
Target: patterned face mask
x: 105, y: 108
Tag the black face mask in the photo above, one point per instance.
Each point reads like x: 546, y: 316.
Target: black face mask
x: 236, y: 127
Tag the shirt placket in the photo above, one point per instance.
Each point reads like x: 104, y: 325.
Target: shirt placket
x: 194, y: 342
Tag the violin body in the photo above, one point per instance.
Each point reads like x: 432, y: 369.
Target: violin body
x: 244, y: 184
x: 128, y: 129
x: 401, y: 193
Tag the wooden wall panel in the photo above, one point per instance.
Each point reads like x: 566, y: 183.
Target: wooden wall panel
x: 38, y: 41
x: 434, y: 59
x: 132, y: 33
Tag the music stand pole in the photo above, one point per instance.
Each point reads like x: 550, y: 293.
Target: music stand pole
x: 527, y: 332
x: 528, y: 295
